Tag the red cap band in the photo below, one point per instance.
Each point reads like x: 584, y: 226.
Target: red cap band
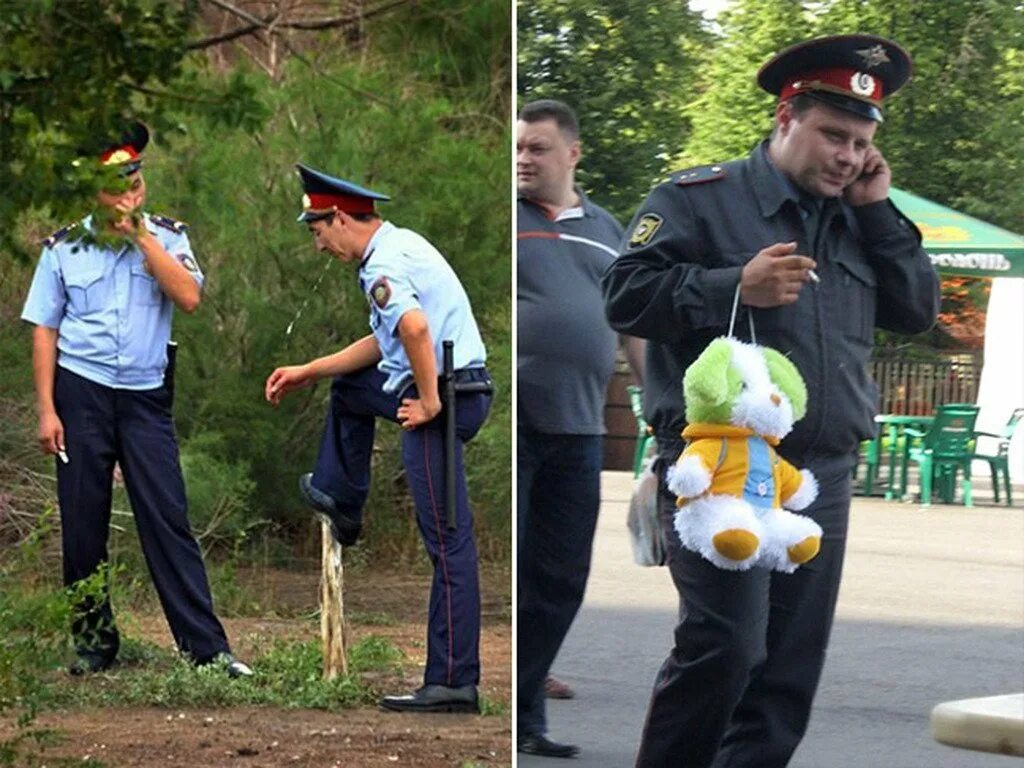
x: 848, y: 82
x: 347, y: 203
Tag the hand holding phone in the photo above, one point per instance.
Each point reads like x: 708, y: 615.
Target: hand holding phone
x: 872, y: 185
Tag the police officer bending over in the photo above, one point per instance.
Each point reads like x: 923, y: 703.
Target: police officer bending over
x: 737, y: 688
x: 102, y: 299
x: 416, y: 303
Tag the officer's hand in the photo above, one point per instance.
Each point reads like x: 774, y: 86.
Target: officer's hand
x: 774, y: 276
x: 128, y: 220
x: 284, y: 380
x: 412, y: 413
x: 51, y: 433
x: 872, y: 186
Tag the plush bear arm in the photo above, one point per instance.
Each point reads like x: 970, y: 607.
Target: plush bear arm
x: 691, y: 474
x: 799, y: 488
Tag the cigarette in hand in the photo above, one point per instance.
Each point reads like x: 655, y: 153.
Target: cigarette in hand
x: 63, y: 455
x: 813, y: 275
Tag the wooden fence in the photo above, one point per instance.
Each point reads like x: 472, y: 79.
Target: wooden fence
x: 915, y: 388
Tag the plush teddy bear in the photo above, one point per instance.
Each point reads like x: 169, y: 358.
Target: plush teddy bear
x: 741, y: 400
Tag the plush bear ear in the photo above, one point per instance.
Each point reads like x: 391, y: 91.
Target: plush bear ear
x: 787, y: 378
x: 706, y: 380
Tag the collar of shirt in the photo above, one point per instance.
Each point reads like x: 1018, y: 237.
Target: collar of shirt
x: 382, y: 230
x: 153, y: 228
x: 583, y: 209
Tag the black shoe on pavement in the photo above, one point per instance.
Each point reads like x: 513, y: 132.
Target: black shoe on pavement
x: 435, y: 698
x: 539, y: 744
x: 344, y: 529
x: 89, y: 663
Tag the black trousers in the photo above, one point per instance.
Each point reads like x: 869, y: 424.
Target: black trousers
x: 737, y: 687
x: 103, y: 425
x: 558, y: 479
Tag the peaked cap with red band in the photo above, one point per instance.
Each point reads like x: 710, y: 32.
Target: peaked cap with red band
x: 324, y: 194
x: 126, y: 150
x: 851, y: 72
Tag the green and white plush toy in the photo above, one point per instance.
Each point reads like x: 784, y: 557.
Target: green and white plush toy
x: 741, y: 400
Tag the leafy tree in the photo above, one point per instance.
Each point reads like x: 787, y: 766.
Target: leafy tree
x: 624, y: 66
x: 69, y: 69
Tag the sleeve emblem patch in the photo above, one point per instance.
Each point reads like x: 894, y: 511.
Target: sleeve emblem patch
x: 380, y: 292
x: 188, y: 262
x: 644, y: 230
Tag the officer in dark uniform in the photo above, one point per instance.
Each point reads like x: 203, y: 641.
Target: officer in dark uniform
x: 416, y: 302
x: 804, y: 230
x: 102, y: 300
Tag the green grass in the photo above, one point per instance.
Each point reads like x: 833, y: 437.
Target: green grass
x: 288, y: 675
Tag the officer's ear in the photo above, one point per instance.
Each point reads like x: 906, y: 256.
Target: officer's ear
x: 784, y: 116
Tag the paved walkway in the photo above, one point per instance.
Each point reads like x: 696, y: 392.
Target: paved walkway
x: 931, y: 609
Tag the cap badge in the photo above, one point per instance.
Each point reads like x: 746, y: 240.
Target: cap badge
x: 862, y: 84
x: 306, y: 203
x: 118, y: 157
x: 874, y: 56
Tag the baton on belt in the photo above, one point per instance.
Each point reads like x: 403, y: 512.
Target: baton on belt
x: 172, y: 354
x: 449, y: 389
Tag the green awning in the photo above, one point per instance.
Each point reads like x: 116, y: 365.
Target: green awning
x: 959, y: 244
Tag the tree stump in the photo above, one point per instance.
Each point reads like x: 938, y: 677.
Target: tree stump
x: 332, y: 606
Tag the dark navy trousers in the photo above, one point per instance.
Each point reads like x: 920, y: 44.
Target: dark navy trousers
x: 559, y: 492
x: 737, y: 687
x: 134, y: 428
x: 343, y: 472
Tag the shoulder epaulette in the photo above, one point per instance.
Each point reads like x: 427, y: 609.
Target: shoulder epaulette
x: 699, y: 175
x: 59, y: 235
x: 168, y: 223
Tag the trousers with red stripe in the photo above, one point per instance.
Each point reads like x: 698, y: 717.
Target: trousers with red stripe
x: 343, y: 472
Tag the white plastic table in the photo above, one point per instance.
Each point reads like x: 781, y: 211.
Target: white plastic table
x: 989, y: 724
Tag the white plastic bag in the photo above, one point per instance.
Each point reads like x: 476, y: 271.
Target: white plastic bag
x: 644, y: 528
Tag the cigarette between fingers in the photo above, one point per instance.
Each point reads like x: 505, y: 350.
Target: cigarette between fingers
x: 813, y: 275
x: 63, y: 455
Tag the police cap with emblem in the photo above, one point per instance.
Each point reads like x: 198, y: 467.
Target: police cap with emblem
x: 124, y: 150
x: 325, y: 194
x: 851, y: 72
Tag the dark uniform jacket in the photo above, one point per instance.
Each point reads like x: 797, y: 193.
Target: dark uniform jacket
x: 675, y: 286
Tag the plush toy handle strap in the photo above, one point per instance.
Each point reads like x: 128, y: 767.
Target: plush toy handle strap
x: 732, y: 317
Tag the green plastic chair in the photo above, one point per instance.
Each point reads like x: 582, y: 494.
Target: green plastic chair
x: 1000, y: 462
x: 644, y: 432
x: 941, y: 452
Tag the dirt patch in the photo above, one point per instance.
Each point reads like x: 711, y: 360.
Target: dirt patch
x: 391, y: 606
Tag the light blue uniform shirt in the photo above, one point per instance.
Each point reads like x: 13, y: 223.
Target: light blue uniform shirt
x: 401, y: 271
x: 112, y: 318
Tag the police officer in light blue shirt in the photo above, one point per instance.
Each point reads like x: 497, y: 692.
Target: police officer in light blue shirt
x: 416, y: 303
x: 101, y: 299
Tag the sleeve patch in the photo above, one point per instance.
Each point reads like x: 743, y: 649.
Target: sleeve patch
x: 188, y: 262
x: 380, y: 292
x: 644, y: 230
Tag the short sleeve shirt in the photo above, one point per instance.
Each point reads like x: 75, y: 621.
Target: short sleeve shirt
x: 113, y: 320
x: 402, y: 271
x: 566, y: 349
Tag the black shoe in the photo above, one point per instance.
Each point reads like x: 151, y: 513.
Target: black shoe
x: 539, y: 744
x: 232, y: 666
x: 88, y: 663
x: 344, y: 529
x: 435, y: 698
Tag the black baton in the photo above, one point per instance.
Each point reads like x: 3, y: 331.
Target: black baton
x: 172, y: 354
x: 449, y: 390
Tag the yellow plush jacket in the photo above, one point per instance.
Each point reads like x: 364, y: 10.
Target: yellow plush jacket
x: 741, y: 463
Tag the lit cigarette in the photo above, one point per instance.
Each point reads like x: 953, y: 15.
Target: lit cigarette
x: 63, y: 455
x: 813, y: 275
